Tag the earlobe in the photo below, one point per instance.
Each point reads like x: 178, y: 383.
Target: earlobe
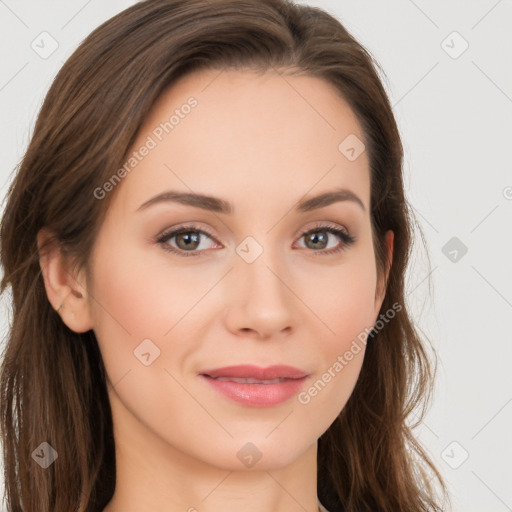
x: 63, y: 289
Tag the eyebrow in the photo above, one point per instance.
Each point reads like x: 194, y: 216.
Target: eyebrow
x: 215, y: 204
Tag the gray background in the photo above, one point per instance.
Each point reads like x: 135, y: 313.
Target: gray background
x: 453, y: 106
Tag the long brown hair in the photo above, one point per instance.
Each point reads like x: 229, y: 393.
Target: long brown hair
x: 53, y: 384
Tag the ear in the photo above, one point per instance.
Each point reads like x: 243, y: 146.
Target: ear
x: 381, y: 286
x: 65, y: 289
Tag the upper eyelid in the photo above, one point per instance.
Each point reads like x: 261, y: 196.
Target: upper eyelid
x: 166, y: 233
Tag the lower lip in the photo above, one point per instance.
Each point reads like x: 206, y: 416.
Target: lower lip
x: 257, y: 395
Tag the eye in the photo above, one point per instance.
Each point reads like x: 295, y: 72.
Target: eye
x: 317, y: 238
x: 188, y: 240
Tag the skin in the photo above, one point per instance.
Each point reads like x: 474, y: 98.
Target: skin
x: 262, y: 142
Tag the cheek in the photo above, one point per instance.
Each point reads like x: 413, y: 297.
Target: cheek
x: 135, y: 300
x: 343, y: 299
x: 352, y: 304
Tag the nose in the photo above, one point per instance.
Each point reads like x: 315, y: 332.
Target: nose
x: 260, y: 300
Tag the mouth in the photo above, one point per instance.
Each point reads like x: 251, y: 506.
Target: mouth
x: 256, y: 387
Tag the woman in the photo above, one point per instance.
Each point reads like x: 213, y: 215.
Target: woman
x: 206, y: 243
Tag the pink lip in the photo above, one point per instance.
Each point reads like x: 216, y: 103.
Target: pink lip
x: 257, y: 394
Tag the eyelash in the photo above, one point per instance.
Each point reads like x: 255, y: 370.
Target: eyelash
x: 347, y: 239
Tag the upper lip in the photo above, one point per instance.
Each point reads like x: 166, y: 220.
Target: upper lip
x: 257, y: 372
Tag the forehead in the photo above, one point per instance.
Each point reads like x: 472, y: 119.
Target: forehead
x: 247, y: 135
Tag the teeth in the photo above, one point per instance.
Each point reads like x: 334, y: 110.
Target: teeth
x: 250, y: 381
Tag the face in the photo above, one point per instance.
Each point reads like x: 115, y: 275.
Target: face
x: 260, y: 282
